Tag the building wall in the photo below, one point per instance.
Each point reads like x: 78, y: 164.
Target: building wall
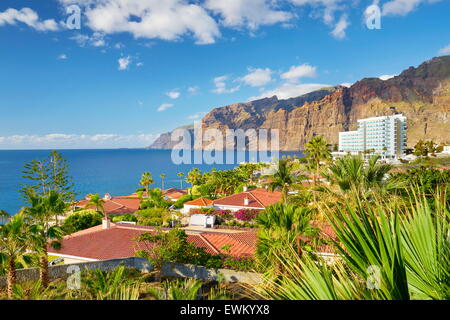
x: 233, y: 208
x: 385, y: 135
x: 176, y: 270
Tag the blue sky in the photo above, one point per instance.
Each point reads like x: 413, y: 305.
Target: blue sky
x: 137, y: 68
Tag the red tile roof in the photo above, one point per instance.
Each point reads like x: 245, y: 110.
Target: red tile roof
x: 258, y: 198
x: 113, y: 243
x: 115, y: 205
x: 117, y: 242
x: 240, y: 244
x: 174, y: 193
x: 201, y: 202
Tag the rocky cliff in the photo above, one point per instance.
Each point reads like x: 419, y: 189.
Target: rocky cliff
x: 422, y: 94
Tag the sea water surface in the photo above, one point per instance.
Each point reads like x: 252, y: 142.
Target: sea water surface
x: 114, y: 171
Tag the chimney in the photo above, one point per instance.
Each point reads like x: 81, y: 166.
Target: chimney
x: 246, y: 201
x: 107, y: 196
x: 245, y: 188
x: 106, y: 223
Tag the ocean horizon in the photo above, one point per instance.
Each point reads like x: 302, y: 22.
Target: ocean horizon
x: 114, y: 171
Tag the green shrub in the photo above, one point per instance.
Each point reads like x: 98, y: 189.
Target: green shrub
x: 152, y: 216
x: 81, y: 220
x: 127, y: 217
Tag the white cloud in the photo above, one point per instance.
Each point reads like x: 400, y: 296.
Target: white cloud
x: 151, y: 19
x: 139, y: 64
x: 197, y: 116
x: 346, y: 84
x: 248, y: 13
x: 97, y: 39
x: 301, y: 71
x: 62, y: 56
x: 339, y: 29
x: 399, y: 7
x: 445, y: 50
x: 257, y: 77
x: 174, y: 94
x: 290, y: 90
x: 76, y: 141
x: 165, y: 106
x: 193, y: 90
x: 221, y: 85
x: 29, y: 17
x: 124, y: 63
x: 387, y: 76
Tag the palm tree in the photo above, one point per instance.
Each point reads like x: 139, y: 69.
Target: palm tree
x: 283, y: 179
x: 13, y: 245
x: 351, y: 174
x: 401, y: 250
x: 316, y: 152
x: 181, y: 174
x: 146, y: 181
x: 41, y: 211
x: 94, y: 200
x: 114, y: 285
x: 162, y: 176
x: 282, y: 224
x: 177, y: 290
x: 194, y: 177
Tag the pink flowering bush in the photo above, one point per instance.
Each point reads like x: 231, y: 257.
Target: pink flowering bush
x: 246, y: 214
x: 224, y: 215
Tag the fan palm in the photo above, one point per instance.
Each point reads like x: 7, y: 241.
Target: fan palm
x: 282, y: 224
x: 162, y: 176
x: 114, y: 285
x: 146, y: 181
x: 41, y: 211
x: 177, y: 290
x: 385, y: 252
x: 350, y: 173
x: 13, y: 245
x: 316, y: 152
x: 283, y: 179
x: 94, y: 200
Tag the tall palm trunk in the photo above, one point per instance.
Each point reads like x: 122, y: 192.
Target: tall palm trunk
x: 285, y: 192
x: 11, y: 278
x: 43, y: 268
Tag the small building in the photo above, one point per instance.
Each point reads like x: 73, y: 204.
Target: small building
x: 197, y: 204
x: 174, y: 194
x: 114, y: 205
x: 257, y: 199
x: 116, y: 240
x: 385, y: 136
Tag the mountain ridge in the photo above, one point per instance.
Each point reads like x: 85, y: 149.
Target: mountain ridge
x: 421, y: 93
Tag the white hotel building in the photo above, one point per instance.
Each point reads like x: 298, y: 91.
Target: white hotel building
x: 386, y: 136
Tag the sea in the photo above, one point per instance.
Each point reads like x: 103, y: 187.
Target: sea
x: 114, y: 171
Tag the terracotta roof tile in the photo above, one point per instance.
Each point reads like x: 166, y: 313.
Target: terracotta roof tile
x: 118, y: 242
x: 258, y: 198
x: 115, y: 205
x: 201, y: 202
x: 174, y: 193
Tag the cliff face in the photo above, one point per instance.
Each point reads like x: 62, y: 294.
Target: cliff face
x: 422, y: 94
